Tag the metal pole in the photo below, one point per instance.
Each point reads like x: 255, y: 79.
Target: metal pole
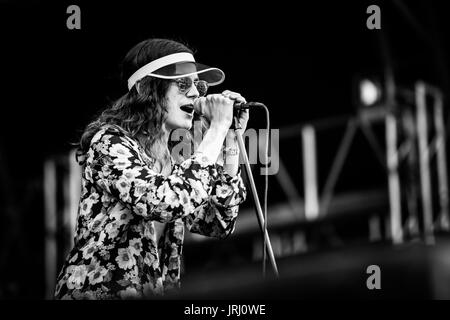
x: 393, y: 179
x: 422, y: 132
x: 336, y: 167
x: 310, y: 173
x: 443, y: 220
x: 290, y: 190
x: 50, y: 226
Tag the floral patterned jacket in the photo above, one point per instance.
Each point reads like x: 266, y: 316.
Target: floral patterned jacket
x: 115, y: 255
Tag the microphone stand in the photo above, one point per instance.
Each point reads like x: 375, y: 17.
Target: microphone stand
x: 237, y: 129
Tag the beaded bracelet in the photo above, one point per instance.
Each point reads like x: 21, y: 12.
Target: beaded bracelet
x: 230, y: 151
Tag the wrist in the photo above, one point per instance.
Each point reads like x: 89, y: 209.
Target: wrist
x: 231, y: 151
x: 220, y: 126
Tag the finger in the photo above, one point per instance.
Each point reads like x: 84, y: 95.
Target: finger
x: 199, y: 103
x: 219, y: 98
x: 245, y: 113
x: 234, y: 96
x: 244, y: 116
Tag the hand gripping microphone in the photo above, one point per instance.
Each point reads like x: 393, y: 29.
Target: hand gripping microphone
x: 238, y: 106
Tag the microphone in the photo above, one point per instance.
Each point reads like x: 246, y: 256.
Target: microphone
x: 237, y: 106
x: 241, y: 106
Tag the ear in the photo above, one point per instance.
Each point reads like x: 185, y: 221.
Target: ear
x: 138, y: 87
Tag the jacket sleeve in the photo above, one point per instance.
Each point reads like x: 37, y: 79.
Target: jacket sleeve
x: 115, y: 165
x: 217, y: 217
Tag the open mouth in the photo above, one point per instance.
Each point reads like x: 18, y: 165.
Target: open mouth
x: 188, y: 108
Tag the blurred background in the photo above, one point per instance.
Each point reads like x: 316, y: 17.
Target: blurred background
x: 359, y: 167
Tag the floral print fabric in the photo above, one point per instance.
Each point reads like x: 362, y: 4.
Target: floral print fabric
x: 116, y: 255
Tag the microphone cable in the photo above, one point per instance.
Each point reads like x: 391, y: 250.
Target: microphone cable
x: 266, y: 188
x: 266, y: 182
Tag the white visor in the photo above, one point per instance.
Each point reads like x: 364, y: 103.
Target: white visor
x: 177, y: 65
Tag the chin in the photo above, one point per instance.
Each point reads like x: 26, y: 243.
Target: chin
x: 187, y: 125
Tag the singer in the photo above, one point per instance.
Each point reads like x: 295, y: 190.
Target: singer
x: 136, y: 199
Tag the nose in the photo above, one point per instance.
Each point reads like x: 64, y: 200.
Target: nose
x: 193, y: 92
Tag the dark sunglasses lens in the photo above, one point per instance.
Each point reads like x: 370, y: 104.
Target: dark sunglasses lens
x: 202, y: 87
x: 184, y: 84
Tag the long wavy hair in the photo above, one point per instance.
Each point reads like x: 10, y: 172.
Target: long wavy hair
x: 139, y: 114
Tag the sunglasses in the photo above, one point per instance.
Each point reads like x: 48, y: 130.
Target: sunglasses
x: 185, y: 84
